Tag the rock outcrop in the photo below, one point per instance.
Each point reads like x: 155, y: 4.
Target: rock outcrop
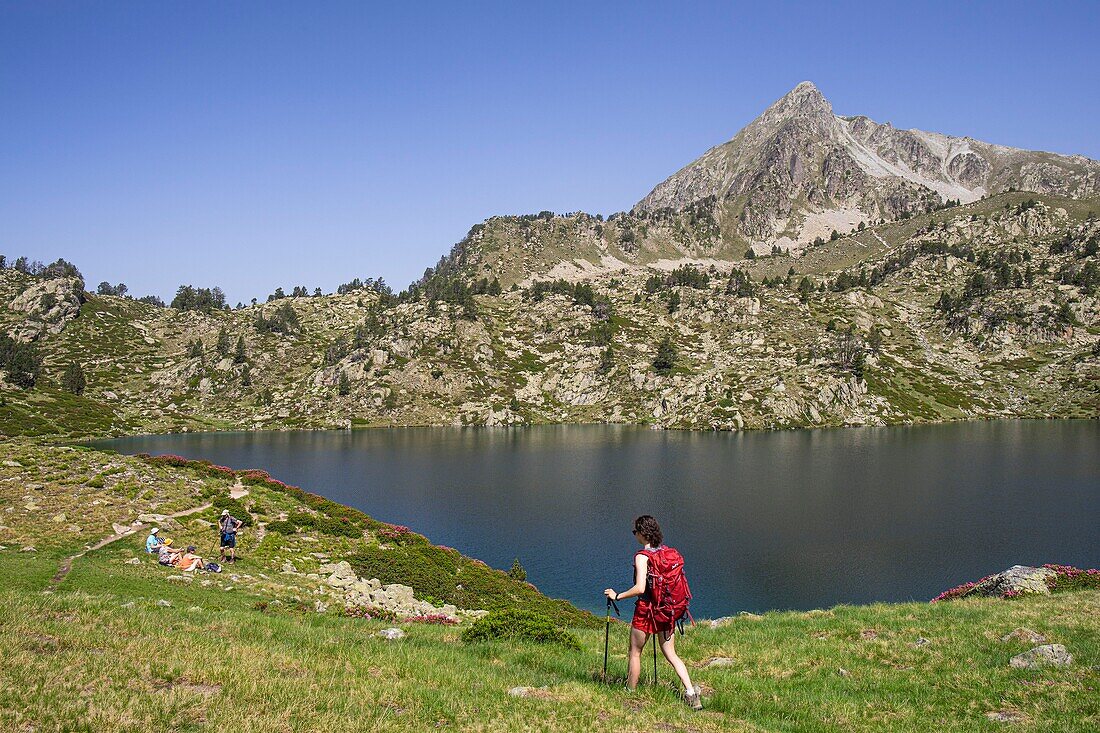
x: 1018, y: 579
x: 394, y: 597
x: 49, y: 305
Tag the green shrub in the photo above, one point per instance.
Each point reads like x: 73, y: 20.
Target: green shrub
x: 447, y: 576
x: 519, y: 625
x: 281, y: 527
x: 235, y: 507
x: 341, y: 527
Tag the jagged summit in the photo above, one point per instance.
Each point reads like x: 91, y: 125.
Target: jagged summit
x: 798, y: 171
x: 805, y: 98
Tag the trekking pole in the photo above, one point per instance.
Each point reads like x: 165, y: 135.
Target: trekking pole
x: 607, y: 633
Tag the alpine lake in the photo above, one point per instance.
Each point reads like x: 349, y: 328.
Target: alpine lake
x: 766, y: 520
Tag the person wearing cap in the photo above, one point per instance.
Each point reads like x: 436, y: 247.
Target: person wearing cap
x: 227, y: 527
x: 153, y: 541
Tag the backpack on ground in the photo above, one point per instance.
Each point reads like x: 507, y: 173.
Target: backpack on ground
x: 667, y: 587
x: 213, y: 567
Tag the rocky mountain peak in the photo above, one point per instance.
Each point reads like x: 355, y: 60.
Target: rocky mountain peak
x: 804, y: 99
x: 798, y: 172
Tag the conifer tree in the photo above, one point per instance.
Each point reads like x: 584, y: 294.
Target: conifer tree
x: 343, y: 385
x: 239, y: 355
x: 73, y: 379
x: 222, y: 346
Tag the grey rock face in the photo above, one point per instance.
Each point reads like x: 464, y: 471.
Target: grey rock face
x: 1047, y: 655
x: 49, y: 305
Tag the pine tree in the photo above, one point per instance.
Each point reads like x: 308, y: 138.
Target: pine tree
x: 239, y: 355
x: 517, y: 572
x: 607, y: 360
x: 196, y: 349
x: 73, y: 379
x: 674, y: 302
x: 222, y: 346
x: 246, y: 376
x: 343, y: 385
x: 665, y: 358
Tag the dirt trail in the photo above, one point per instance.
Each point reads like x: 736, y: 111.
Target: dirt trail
x: 67, y: 564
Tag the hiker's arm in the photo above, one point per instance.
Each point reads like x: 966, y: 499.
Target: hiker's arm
x: 640, y: 564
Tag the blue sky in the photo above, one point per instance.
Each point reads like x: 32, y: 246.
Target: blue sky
x: 257, y: 144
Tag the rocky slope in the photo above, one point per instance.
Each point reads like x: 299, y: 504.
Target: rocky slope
x: 867, y: 339
x: 799, y: 171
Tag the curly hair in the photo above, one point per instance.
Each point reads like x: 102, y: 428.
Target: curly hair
x: 647, y: 527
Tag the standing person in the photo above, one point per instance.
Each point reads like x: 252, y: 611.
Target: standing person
x: 227, y: 527
x: 648, y: 533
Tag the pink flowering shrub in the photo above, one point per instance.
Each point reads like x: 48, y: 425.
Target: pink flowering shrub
x: 371, y: 613
x: 394, y: 532
x: 441, y: 619
x: 1067, y: 577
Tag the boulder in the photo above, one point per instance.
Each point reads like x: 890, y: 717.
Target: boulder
x: 1017, y: 579
x: 342, y: 575
x: 164, y: 604
x: 392, y: 634
x: 720, y: 662
x: 1047, y: 655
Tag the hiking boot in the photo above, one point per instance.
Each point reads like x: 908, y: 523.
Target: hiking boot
x: 694, y: 698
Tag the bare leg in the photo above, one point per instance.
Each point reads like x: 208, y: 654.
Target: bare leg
x: 634, y: 660
x: 668, y: 648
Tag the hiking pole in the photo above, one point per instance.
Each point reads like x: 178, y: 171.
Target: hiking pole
x: 607, y: 632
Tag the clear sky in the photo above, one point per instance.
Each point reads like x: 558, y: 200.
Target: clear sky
x: 256, y: 144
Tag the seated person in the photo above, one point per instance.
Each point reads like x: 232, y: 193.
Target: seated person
x: 153, y: 541
x: 190, y: 561
x: 168, y: 555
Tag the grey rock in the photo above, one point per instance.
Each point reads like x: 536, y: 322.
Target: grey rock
x: 164, y: 604
x: 392, y: 634
x: 342, y: 575
x: 1047, y: 655
x: 28, y: 548
x: 1018, y: 578
x: 721, y: 662
x: 128, y: 604
x: 843, y: 672
x: 921, y: 641
x: 1025, y: 635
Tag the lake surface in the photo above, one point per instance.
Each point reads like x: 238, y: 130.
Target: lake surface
x: 766, y: 520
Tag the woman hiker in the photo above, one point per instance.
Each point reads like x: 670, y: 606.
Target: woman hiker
x: 648, y: 533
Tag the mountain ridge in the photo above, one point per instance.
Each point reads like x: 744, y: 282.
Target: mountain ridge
x: 798, y: 160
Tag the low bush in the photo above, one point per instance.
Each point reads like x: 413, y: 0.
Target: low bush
x: 281, y: 527
x: 519, y: 625
x: 341, y: 527
x: 448, y: 577
x: 235, y: 507
x: 371, y: 613
x: 1067, y: 577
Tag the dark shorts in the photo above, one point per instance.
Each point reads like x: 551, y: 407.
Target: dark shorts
x: 229, y: 540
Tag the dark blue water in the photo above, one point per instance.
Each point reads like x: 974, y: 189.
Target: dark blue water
x: 793, y: 519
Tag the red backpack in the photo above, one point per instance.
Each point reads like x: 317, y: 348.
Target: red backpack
x: 667, y: 587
